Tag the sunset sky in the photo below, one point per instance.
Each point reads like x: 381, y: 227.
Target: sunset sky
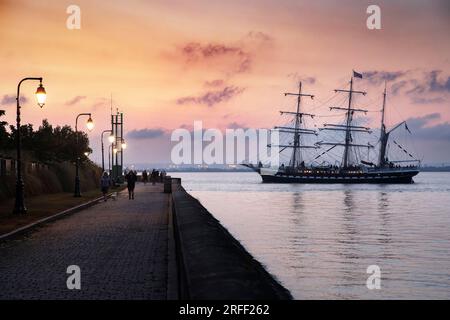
x: 168, y: 63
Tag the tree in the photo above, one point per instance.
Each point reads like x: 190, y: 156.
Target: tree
x: 26, y: 136
x: 48, y: 143
x: 4, y: 135
x: 59, y: 143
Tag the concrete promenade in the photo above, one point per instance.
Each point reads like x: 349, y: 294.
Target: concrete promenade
x: 120, y: 246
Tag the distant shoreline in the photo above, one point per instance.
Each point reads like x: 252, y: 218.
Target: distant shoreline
x: 209, y: 170
x: 435, y: 169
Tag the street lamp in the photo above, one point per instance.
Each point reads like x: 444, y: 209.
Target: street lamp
x: 124, y: 145
x: 111, y: 140
x: 90, y: 126
x: 109, y: 159
x: 90, y: 123
x: 41, y: 95
x: 19, y: 206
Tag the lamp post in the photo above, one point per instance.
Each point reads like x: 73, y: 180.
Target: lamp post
x: 41, y: 95
x: 109, y: 159
x: 123, y: 146
x: 111, y: 140
x: 114, y: 150
x: 90, y: 126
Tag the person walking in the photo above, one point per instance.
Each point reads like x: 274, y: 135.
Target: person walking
x: 160, y: 177
x: 145, y: 176
x: 131, y: 178
x: 105, y: 183
x: 153, y: 177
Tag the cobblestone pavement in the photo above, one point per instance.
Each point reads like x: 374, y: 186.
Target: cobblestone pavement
x: 120, y: 247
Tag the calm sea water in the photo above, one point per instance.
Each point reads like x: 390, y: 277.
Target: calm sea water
x: 318, y: 240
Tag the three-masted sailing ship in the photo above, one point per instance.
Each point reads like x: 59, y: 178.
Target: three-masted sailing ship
x: 350, y: 169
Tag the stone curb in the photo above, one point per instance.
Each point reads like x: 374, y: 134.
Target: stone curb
x: 172, y: 272
x: 212, y: 264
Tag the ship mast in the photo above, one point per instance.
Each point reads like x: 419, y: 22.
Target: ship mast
x: 298, y: 121
x: 383, y: 135
x: 349, y: 121
x: 348, y: 127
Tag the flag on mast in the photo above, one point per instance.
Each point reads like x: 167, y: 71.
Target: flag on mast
x: 357, y: 74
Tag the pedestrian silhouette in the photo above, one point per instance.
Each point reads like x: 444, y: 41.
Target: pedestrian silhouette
x: 131, y: 178
x: 144, y: 176
x: 105, y: 183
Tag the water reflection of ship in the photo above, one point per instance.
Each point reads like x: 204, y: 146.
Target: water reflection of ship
x: 352, y: 168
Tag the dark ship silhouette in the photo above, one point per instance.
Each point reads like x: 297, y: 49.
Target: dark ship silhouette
x: 348, y: 170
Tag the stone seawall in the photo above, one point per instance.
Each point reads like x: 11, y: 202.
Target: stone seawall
x: 212, y: 264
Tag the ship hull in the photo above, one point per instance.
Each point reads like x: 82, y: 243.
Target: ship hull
x: 374, y: 177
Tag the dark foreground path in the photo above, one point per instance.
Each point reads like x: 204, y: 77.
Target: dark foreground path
x: 120, y: 246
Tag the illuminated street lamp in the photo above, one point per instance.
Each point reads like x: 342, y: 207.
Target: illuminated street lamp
x: 124, y: 145
x: 41, y: 95
x: 90, y: 123
x: 90, y: 126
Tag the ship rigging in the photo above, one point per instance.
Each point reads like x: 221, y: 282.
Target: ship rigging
x: 351, y: 168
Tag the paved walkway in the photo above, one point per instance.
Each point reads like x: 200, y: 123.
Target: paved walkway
x: 120, y: 246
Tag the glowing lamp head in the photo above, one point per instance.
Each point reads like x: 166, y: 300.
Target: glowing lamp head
x: 115, y: 150
x: 111, y: 138
x: 124, y: 145
x: 86, y: 154
x: 41, y: 95
x: 90, y: 124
